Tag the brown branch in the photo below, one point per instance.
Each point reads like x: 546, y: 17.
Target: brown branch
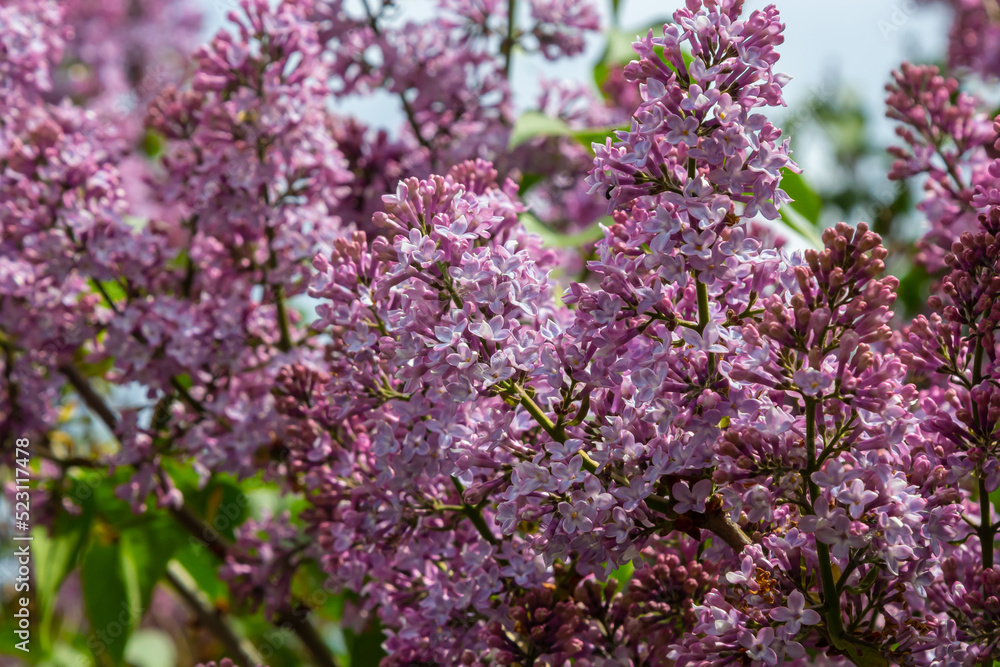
x: 93, y: 400
x: 298, y: 619
x: 411, y: 115
x: 215, y: 621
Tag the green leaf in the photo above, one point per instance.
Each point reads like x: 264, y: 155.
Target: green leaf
x: 596, y: 135
x: 111, y: 287
x: 203, y: 567
x: 184, y: 380
x: 529, y: 181
x: 106, y: 600
x: 533, y: 124
x: 151, y: 648
x: 866, y: 583
x: 619, y: 51
x: 860, y: 652
x: 804, y: 200
x: 226, y: 507
x: 55, y: 557
x: 366, y: 648
x: 145, y: 554
x: 152, y: 143
x: 914, y: 284
x: 801, y: 226
x: 623, y: 575
x: 555, y: 239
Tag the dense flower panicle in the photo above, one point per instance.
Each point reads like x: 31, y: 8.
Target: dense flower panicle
x: 946, y: 137
x: 121, y: 52
x: 260, y: 566
x: 62, y: 216
x: 974, y: 38
x: 376, y: 162
x: 248, y: 181
x: 678, y: 394
x: 31, y: 44
x: 711, y: 451
x: 695, y: 140
x: 954, y: 352
x: 450, y: 77
x: 957, y: 345
x: 562, y: 199
x: 446, y: 72
x: 560, y: 26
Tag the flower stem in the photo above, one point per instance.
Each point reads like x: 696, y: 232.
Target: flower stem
x: 213, y: 619
x: 703, y: 314
x: 714, y: 521
x: 831, y: 597
x: 704, y: 318
x: 508, y: 43
x: 473, y: 514
x: 986, y: 533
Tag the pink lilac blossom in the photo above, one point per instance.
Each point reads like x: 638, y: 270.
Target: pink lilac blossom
x: 705, y: 381
x: 947, y: 138
x: 956, y: 349
x: 974, y: 37
x: 449, y: 76
x: 713, y: 452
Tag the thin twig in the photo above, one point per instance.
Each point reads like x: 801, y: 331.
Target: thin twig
x: 90, y: 396
x: 212, y: 619
x: 411, y: 115
x: 508, y: 42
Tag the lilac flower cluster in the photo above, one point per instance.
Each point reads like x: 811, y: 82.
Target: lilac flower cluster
x: 955, y: 350
x: 974, y: 38
x: 947, y: 138
x: 695, y: 137
x: 710, y: 451
x: 707, y: 386
x: 62, y: 218
x: 450, y: 77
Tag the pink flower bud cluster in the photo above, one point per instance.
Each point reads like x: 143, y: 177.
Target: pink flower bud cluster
x: 947, y: 138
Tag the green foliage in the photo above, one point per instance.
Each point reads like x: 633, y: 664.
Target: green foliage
x: 802, y: 214
x: 365, y: 648
x: 535, y: 124
x: 55, y: 556
x: 146, y: 550
x: 111, y: 288
x: 804, y: 200
x: 555, y: 239
x: 623, y: 575
x: 106, y: 599
x: 619, y: 52
x: 122, y: 556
